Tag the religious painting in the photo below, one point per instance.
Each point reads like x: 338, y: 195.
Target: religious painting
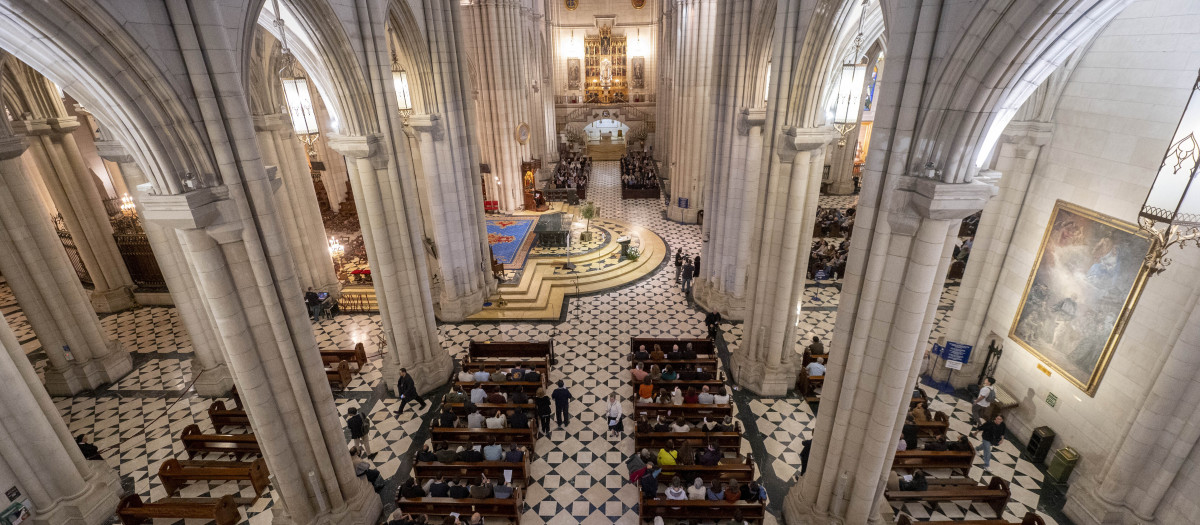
x: 572, y: 73
x: 1084, y: 285
x: 638, y: 65
x: 638, y: 4
x: 571, y: 4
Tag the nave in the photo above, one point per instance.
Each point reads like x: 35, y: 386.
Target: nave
x: 579, y: 475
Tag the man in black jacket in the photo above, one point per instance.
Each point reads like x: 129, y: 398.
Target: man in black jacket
x: 439, y: 488
x: 518, y: 419
x: 459, y: 490
x: 407, y: 391
x: 562, y: 403
x: 993, y: 436
x: 358, y: 432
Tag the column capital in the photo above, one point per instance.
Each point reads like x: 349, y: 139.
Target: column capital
x: 808, y: 139
x: 357, y: 146
x: 944, y: 201
x: 46, y: 126
x: 749, y: 118
x: 113, y: 151
x: 1028, y: 132
x: 431, y: 124
x: 195, y: 209
x: 269, y: 122
x: 12, y: 147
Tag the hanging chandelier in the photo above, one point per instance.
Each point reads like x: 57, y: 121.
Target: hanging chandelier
x: 850, y: 86
x: 297, y: 97
x: 1171, y: 214
x: 400, y: 81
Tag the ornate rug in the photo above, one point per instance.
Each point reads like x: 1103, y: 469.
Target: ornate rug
x: 511, y: 239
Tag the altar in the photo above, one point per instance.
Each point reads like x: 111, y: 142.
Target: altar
x: 553, y: 230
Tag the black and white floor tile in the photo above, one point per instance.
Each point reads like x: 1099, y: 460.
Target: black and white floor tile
x: 578, y: 472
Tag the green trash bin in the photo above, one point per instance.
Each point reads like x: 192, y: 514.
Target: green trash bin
x: 1062, y: 464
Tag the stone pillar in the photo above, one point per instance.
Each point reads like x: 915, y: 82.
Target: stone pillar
x: 238, y: 256
x: 69, y: 182
x: 212, y: 378
x: 766, y: 362
x: 81, y: 355
x: 882, y: 326
x: 37, y: 448
x: 1165, y: 431
x: 1016, y: 160
x: 297, y: 202
x: 397, y: 266
x: 667, y: 41
x: 463, y: 275
x: 690, y: 152
x: 494, y: 38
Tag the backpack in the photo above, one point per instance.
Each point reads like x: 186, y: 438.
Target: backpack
x: 991, y: 396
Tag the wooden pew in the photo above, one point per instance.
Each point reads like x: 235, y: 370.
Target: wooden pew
x: 223, y: 511
x: 696, y: 438
x: 482, y: 351
x: 222, y: 417
x: 808, y: 358
x: 703, y: 347
x: 525, y: 437
x: 460, y: 409
x: 423, y: 470
x: 713, y: 384
x: 808, y: 385
x: 741, y: 469
x: 174, y: 474
x: 237, y: 444
x: 509, y: 508
x: 357, y: 355
x: 541, y: 364
x: 931, y: 459
x: 339, y: 375
x: 699, y: 509
x: 529, y: 387
x: 707, y: 363
x: 667, y: 410
x: 995, y: 494
x: 934, y: 428
x: 1031, y: 518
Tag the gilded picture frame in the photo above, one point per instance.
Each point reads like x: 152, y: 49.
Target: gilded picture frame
x: 637, y: 65
x: 1084, y: 285
x: 573, y: 74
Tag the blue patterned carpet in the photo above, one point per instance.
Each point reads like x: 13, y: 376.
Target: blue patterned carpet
x: 511, y: 238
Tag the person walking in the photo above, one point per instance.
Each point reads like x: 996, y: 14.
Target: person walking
x: 407, y: 391
x: 359, y: 427
x: 562, y: 404
x: 688, y: 273
x: 678, y: 263
x: 616, y: 424
x: 993, y: 436
x: 987, y: 394
x: 543, y: 410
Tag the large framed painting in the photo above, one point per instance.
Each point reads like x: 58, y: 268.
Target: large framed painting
x: 638, y: 65
x: 1084, y: 285
x: 573, y: 74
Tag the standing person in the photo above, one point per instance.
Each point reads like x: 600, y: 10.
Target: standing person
x: 562, y: 403
x: 313, y: 302
x: 987, y: 394
x: 713, y: 320
x: 359, y: 426
x: 407, y: 391
x: 543, y: 410
x: 616, y: 425
x: 678, y: 263
x: 696, y: 265
x: 688, y: 272
x: 993, y: 436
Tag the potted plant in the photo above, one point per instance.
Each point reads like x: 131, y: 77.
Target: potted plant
x: 588, y: 211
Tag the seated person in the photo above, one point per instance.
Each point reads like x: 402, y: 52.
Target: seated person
x: 439, y: 488
x: 681, y: 425
x: 753, y: 492
x: 475, y: 419
x: 363, y: 468
x: 496, y: 397
x: 492, y: 452
x: 960, y: 445
x: 647, y: 479
x: 637, y: 373
x: 502, y: 491
x: 426, y: 453
x: 716, y: 492
x: 645, y: 392
x: 675, y: 353
x: 459, y: 490
x: 469, y: 455
x: 519, y: 397
x: 733, y: 492
x: 655, y: 373
x: 456, y: 395
x: 518, y: 419
x: 481, y: 491
x: 482, y: 375
x: 466, y: 376
x: 914, y: 482
x: 816, y: 368
x: 447, y: 419
x: 668, y: 456
x: 697, y: 490
x: 661, y: 426
x: 498, y: 376
x: 657, y: 354
x: 938, y: 444
x: 677, y: 396
x: 496, y: 421
x: 919, y: 412
x: 446, y: 455
x: 642, y: 354
x: 710, y: 456
x: 691, y: 397
x: 721, y: 396
x: 642, y: 425
x: 410, y: 489
x: 726, y: 425
x: 478, y: 394
x: 688, y: 352
x: 669, y: 374
x: 702, y: 375
x: 514, y: 454
x: 533, y: 376
x: 663, y: 397
x: 676, y: 492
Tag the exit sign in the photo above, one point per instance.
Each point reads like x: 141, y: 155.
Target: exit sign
x: 1051, y: 399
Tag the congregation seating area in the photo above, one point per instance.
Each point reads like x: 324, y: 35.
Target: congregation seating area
x: 701, y: 510
x: 489, y: 508
x: 222, y: 511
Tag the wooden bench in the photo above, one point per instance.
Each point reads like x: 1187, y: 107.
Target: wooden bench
x: 930, y: 459
x: 1031, y: 518
x: 707, y: 363
x: 460, y: 409
x: 808, y: 358
x: 714, y: 385
x: 222, y: 417
x: 508, y: 508
x: 237, y: 444
x: 174, y: 474
x: 995, y: 494
x: 667, y: 410
x: 702, y: 347
x: 423, y: 470
x: 934, y: 428
x: 696, y: 438
x: 700, y: 509
x: 357, y: 355
x: 529, y: 387
x: 479, y: 351
x: 525, y: 437
x: 222, y: 511
x: 807, y: 385
x: 740, y: 469
x: 339, y: 375
x: 541, y: 364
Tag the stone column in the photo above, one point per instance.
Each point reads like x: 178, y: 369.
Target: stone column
x: 1016, y: 161
x: 238, y: 256
x: 667, y: 41
x: 212, y: 378
x: 69, y: 182
x: 766, y: 362
x: 37, y: 448
x: 81, y: 355
x: 297, y: 200
x: 882, y: 326
x: 690, y: 152
x: 1165, y: 431
x: 397, y: 267
x: 494, y: 38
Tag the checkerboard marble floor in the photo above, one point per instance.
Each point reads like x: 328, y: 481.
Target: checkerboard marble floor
x: 578, y: 473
